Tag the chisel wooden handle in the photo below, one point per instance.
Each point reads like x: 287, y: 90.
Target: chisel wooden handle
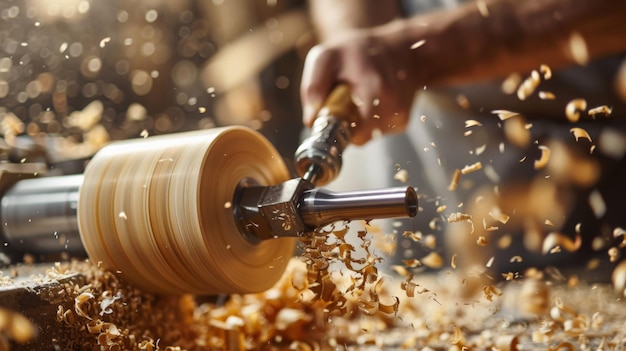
x: 319, y: 157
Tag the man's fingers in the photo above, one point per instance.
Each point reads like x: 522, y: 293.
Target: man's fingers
x: 318, y: 77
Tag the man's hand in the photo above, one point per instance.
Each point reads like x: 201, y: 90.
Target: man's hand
x: 367, y: 60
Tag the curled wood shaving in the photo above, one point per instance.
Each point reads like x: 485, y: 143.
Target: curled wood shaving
x: 603, y: 110
x: 107, y: 301
x: 391, y: 308
x: 507, y: 342
x: 614, y: 254
x: 490, y: 292
x: 545, y: 71
x: 457, y: 336
x: 458, y: 217
x: 620, y: 233
x: 554, y: 240
x: 528, y: 86
x: 482, y: 241
x: 497, y: 214
x: 574, y: 108
x: 545, y: 157
x: 81, y: 304
x: 472, y: 123
x: 580, y: 133
x: 415, y: 236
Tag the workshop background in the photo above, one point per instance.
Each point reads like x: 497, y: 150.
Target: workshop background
x: 75, y: 74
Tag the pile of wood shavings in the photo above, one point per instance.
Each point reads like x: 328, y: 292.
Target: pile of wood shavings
x: 355, y: 307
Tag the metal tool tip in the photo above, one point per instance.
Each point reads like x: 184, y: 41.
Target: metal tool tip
x: 411, y: 201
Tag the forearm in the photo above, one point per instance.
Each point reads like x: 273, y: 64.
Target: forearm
x: 514, y: 36
x: 332, y: 17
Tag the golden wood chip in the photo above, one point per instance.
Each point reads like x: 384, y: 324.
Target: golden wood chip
x: 603, y: 110
x: 545, y: 71
x: 554, y: 240
x: 454, y: 183
x: 580, y: 133
x: 546, y: 95
x: 504, y: 114
x: 472, y: 168
x: 458, y: 217
x: 574, y: 108
x: 545, y: 157
x: 578, y: 49
x: 432, y: 260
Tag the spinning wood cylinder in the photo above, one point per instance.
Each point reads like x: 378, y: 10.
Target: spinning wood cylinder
x: 160, y: 211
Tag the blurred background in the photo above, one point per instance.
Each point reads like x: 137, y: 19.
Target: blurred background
x: 76, y: 74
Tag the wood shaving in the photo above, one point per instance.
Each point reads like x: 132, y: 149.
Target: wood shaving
x: 472, y: 123
x: 528, y: 86
x: 471, y: 168
x: 574, y: 108
x: 598, y: 206
x: 516, y: 131
x: 578, y: 49
x: 510, y: 84
x: 504, y: 114
x: 600, y: 110
x: 418, y: 44
x: 559, y: 240
x: 620, y: 233
x: 412, y: 263
x: 402, y: 175
x: 545, y: 157
x: 458, y: 217
x: 580, y: 133
x: 432, y: 260
x: 546, y: 95
x: 482, y: 241
x: 497, y: 214
x: 454, y: 183
x: 618, y: 278
x: 415, y: 236
x: 490, y: 292
x: 545, y: 71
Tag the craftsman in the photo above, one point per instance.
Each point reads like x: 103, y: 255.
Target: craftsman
x: 467, y: 50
